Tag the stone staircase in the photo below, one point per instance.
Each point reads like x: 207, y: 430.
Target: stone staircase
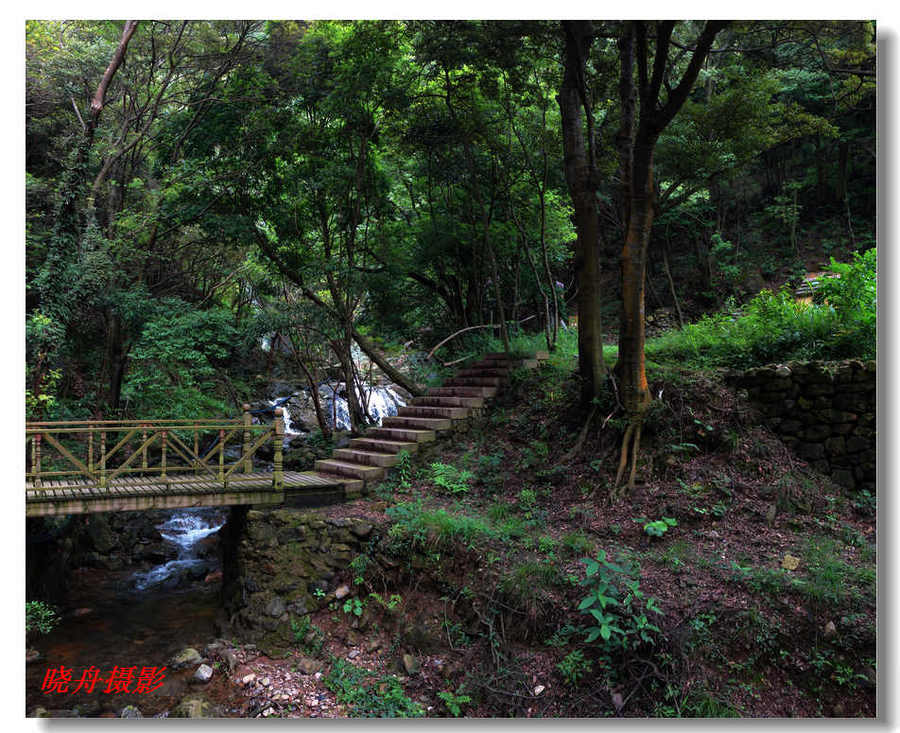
x: 368, y: 458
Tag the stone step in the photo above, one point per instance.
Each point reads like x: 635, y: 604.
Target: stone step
x: 451, y: 413
x: 365, y: 457
x: 438, y: 401
x: 355, y: 470
x: 473, y: 382
x: 462, y: 391
x: 383, y: 446
x: 405, y: 435
x: 417, y: 423
x: 351, y: 485
x: 483, y: 372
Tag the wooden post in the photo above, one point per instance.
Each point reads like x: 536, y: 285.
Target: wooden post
x: 248, y: 419
x: 162, y: 474
x: 196, y: 453
x: 36, y: 461
x: 222, y: 457
x: 144, y: 451
x: 277, y: 476
x: 102, y: 459
x: 91, y: 452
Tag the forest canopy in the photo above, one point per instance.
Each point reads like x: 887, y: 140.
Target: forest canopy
x: 195, y: 186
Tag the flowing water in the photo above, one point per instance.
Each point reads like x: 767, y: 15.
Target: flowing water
x: 184, y: 529
x: 382, y: 401
x: 126, y: 619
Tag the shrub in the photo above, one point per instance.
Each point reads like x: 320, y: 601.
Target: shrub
x: 616, y: 606
x: 451, y: 478
x: 775, y: 326
x: 40, y: 617
x: 368, y: 695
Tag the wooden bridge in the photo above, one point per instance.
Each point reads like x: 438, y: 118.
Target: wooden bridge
x: 82, y: 467
x: 167, y: 464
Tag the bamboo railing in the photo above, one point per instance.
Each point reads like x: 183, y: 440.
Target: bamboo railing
x: 167, y: 450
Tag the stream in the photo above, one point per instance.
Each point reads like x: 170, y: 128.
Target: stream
x: 137, y: 619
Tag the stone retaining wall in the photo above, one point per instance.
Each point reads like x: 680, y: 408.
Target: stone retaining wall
x: 284, y: 563
x: 825, y: 411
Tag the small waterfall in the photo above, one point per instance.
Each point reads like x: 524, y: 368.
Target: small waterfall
x: 184, y: 529
x: 383, y: 402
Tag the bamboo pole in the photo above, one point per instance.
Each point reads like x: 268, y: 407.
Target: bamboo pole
x: 248, y: 419
x: 278, y: 433
x: 222, y: 456
x: 162, y: 475
x: 36, y: 461
x: 102, y: 458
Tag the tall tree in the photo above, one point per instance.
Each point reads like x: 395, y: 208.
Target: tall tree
x: 583, y: 181
x: 636, y: 147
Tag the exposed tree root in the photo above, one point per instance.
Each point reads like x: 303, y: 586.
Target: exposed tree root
x: 632, y: 440
x: 581, y: 438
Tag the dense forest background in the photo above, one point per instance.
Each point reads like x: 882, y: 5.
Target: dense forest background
x: 193, y: 187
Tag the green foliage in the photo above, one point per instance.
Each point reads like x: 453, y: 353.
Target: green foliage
x: 415, y: 527
x: 451, y: 478
x: 489, y: 470
x: 176, y: 362
x: 358, y: 565
x: 40, y: 617
x: 616, y: 606
x: 403, y: 469
x: 307, y: 636
x: 528, y: 502
x: 454, y: 702
x: 852, y: 295
x: 391, y: 604
x: 577, y: 543
x: 369, y: 695
x: 777, y: 327
x: 659, y: 527
x: 574, y: 666
x: 354, y: 607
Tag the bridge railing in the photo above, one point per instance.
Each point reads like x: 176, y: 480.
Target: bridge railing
x: 100, y: 451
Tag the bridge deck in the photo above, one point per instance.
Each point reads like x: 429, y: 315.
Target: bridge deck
x: 141, y: 493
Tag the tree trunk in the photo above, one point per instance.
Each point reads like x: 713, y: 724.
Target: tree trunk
x: 395, y: 376
x: 581, y: 180
x: 634, y: 391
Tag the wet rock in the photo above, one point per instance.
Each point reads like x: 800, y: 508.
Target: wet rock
x: 275, y: 607
x: 306, y: 665
x: 130, y: 711
x: 247, y: 679
x: 230, y: 658
x: 185, y: 658
x: 830, y: 630
x: 342, y: 592
x: 411, y: 664
x: 353, y: 654
x: 102, y: 537
x: 203, y: 674
x: 195, y: 707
